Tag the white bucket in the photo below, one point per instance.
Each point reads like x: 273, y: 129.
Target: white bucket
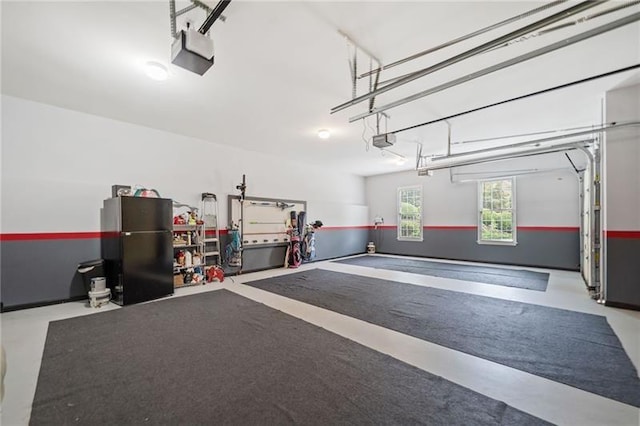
x: 371, y: 248
x: 99, y: 298
x: 98, y: 284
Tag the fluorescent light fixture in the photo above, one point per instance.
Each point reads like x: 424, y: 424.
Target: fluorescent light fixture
x: 156, y: 71
x: 324, y: 134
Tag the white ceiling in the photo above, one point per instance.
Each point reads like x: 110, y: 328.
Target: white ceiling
x: 281, y: 66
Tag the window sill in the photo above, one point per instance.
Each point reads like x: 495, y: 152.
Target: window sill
x: 497, y: 243
x: 416, y: 240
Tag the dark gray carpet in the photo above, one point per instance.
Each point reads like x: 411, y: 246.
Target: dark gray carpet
x: 219, y: 358
x: 520, y: 278
x: 569, y: 347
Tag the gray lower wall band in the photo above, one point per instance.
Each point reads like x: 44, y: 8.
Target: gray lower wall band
x: 549, y: 249
x: 42, y: 271
x: 259, y: 258
x: 332, y: 243
x: 329, y: 244
x: 623, y: 272
x: 45, y: 271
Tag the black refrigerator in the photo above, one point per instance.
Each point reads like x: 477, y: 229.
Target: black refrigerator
x: 137, y: 248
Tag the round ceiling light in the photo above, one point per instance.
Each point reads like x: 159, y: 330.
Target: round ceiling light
x: 156, y: 71
x: 324, y: 134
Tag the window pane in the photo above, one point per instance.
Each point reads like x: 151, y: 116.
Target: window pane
x: 410, y: 213
x: 507, y: 200
x: 508, y: 220
x: 496, y: 219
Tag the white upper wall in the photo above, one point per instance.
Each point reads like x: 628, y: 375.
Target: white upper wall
x: 444, y: 203
x: 548, y: 199
x: 621, y: 168
x: 58, y: 166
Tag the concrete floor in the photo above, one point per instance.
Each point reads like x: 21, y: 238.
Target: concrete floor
x: 24, y: 332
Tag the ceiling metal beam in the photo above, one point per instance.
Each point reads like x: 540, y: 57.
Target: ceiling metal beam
x: 202, y: 5
x: 513, y: 61
x: 537, y: 142
x: 517, y: 98
x: 186, y: 9
x: 358, y: 46
x: 475, y: 51
x: 464, y: 37
x: 578, y: 21
x: 173, y: 14
x: 457, y: 162
x: 543, y: 32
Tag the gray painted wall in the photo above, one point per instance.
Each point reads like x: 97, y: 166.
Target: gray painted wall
x: 330, y: 243
x: 44, y: 271
x: 623, y: 272
x: 259, y: 258
x: 549, y: 249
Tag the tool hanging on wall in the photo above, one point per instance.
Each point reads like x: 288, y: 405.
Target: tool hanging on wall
x: 302, y: 215
x: 242, y: 187
x: 293, y: 257
x: 278, y: 204
x: 308, y: 245
x: 284, y: 205
x: 233, y: 250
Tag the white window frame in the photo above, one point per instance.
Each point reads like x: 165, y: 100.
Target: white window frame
x: 398, y: 206
x: 514, y: 240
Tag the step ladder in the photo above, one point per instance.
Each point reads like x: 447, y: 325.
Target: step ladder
x: 210, y: 230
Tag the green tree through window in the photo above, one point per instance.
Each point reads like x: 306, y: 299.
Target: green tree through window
x: 410, y: 213
x: 497, y: 211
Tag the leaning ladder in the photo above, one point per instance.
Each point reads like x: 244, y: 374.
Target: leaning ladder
x: 211, y: 231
